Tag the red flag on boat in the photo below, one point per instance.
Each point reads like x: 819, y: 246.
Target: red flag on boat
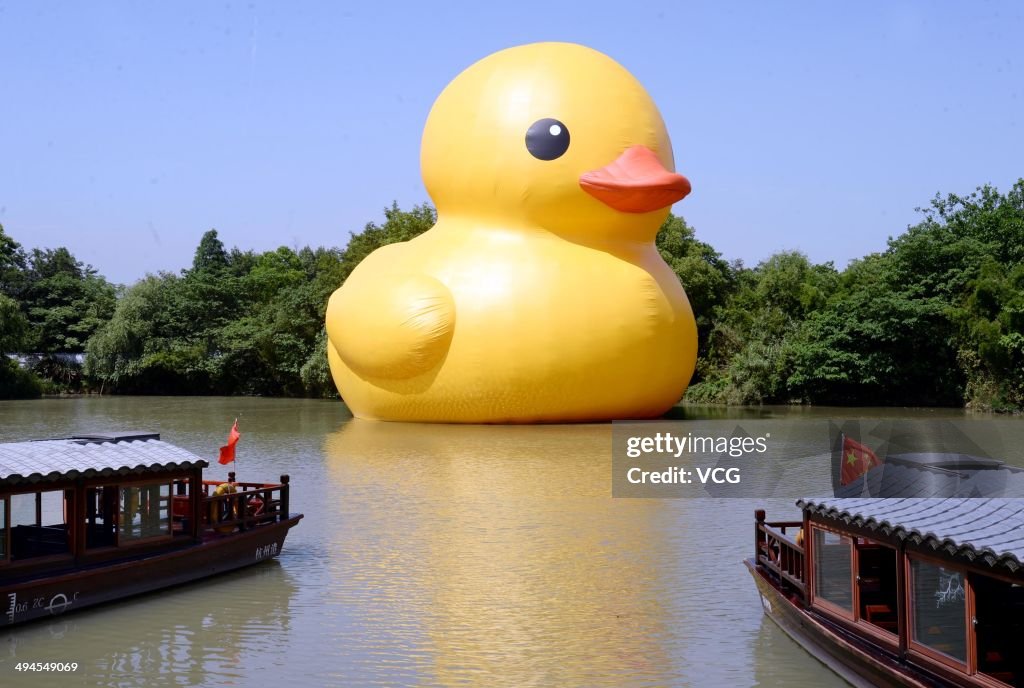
x: 856, y: 461
x: 227, y: 452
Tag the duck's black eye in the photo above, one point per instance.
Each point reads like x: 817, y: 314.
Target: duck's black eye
x: 547, y: 139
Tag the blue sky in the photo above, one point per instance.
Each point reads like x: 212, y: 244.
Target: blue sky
x: 127, y: 130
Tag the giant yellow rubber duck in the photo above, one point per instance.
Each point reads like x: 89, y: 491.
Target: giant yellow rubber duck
x: 539, y: 295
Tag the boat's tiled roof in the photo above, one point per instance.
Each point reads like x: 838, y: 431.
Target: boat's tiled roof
x: 991, y: 530
x: 908, y: 476
x: 96, y: 455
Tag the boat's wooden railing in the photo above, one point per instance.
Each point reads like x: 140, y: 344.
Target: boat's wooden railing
x: 778, y: 553
x: 249, y: 506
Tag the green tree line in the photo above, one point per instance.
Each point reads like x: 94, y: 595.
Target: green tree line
x: 936, y: 319
x: 234, y: 322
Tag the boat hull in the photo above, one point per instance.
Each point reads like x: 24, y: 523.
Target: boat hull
x: 853, y: 664
x: 54, y: 595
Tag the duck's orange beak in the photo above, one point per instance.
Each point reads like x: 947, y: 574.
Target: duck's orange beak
x: 636, y: 182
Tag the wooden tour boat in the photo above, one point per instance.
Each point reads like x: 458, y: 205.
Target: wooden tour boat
x: 89, y: 519
x: 900, y: 592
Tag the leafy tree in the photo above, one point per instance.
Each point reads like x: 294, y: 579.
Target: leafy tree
x: 985, y: 217
x: 15, y: 383
x: 210, y: 255
x: 267, y: 345
x: 132, y: 352
x: 877, y: 345
x: 991, y: 337
x: 706, y: 277
x: 12, y: 266
x: 247, y: 325
x: 14, y: 327
x: 750, y: 348
x: 64, y: 300
x: 316, y: 373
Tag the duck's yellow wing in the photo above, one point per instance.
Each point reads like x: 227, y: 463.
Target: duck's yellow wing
x: 390, y: 326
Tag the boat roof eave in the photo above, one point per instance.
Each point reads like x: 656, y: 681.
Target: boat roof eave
x: 970, y: 529
x: 120, y: 454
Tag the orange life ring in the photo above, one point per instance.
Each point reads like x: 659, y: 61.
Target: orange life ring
x: 223, y: 510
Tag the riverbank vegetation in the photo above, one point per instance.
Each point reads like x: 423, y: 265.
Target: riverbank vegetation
x: 936, y: 319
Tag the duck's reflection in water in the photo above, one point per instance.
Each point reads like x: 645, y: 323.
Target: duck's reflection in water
x: 497, y: 551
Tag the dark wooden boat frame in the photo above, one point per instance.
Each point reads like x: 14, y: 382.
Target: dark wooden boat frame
x: 106, y: 550
x: 877, y: 644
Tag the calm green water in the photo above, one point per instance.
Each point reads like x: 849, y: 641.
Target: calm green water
x: 432, y: 555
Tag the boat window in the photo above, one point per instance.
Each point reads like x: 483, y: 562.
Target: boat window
x: 832, y: 566
x: 145, y: 512
x: 938, y: 608
x: 38, y: 527
x: 3, y: 528
x: 100, y: 516
x: 876, y: 582
x: 999, y: 627
x: 181, y: 507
